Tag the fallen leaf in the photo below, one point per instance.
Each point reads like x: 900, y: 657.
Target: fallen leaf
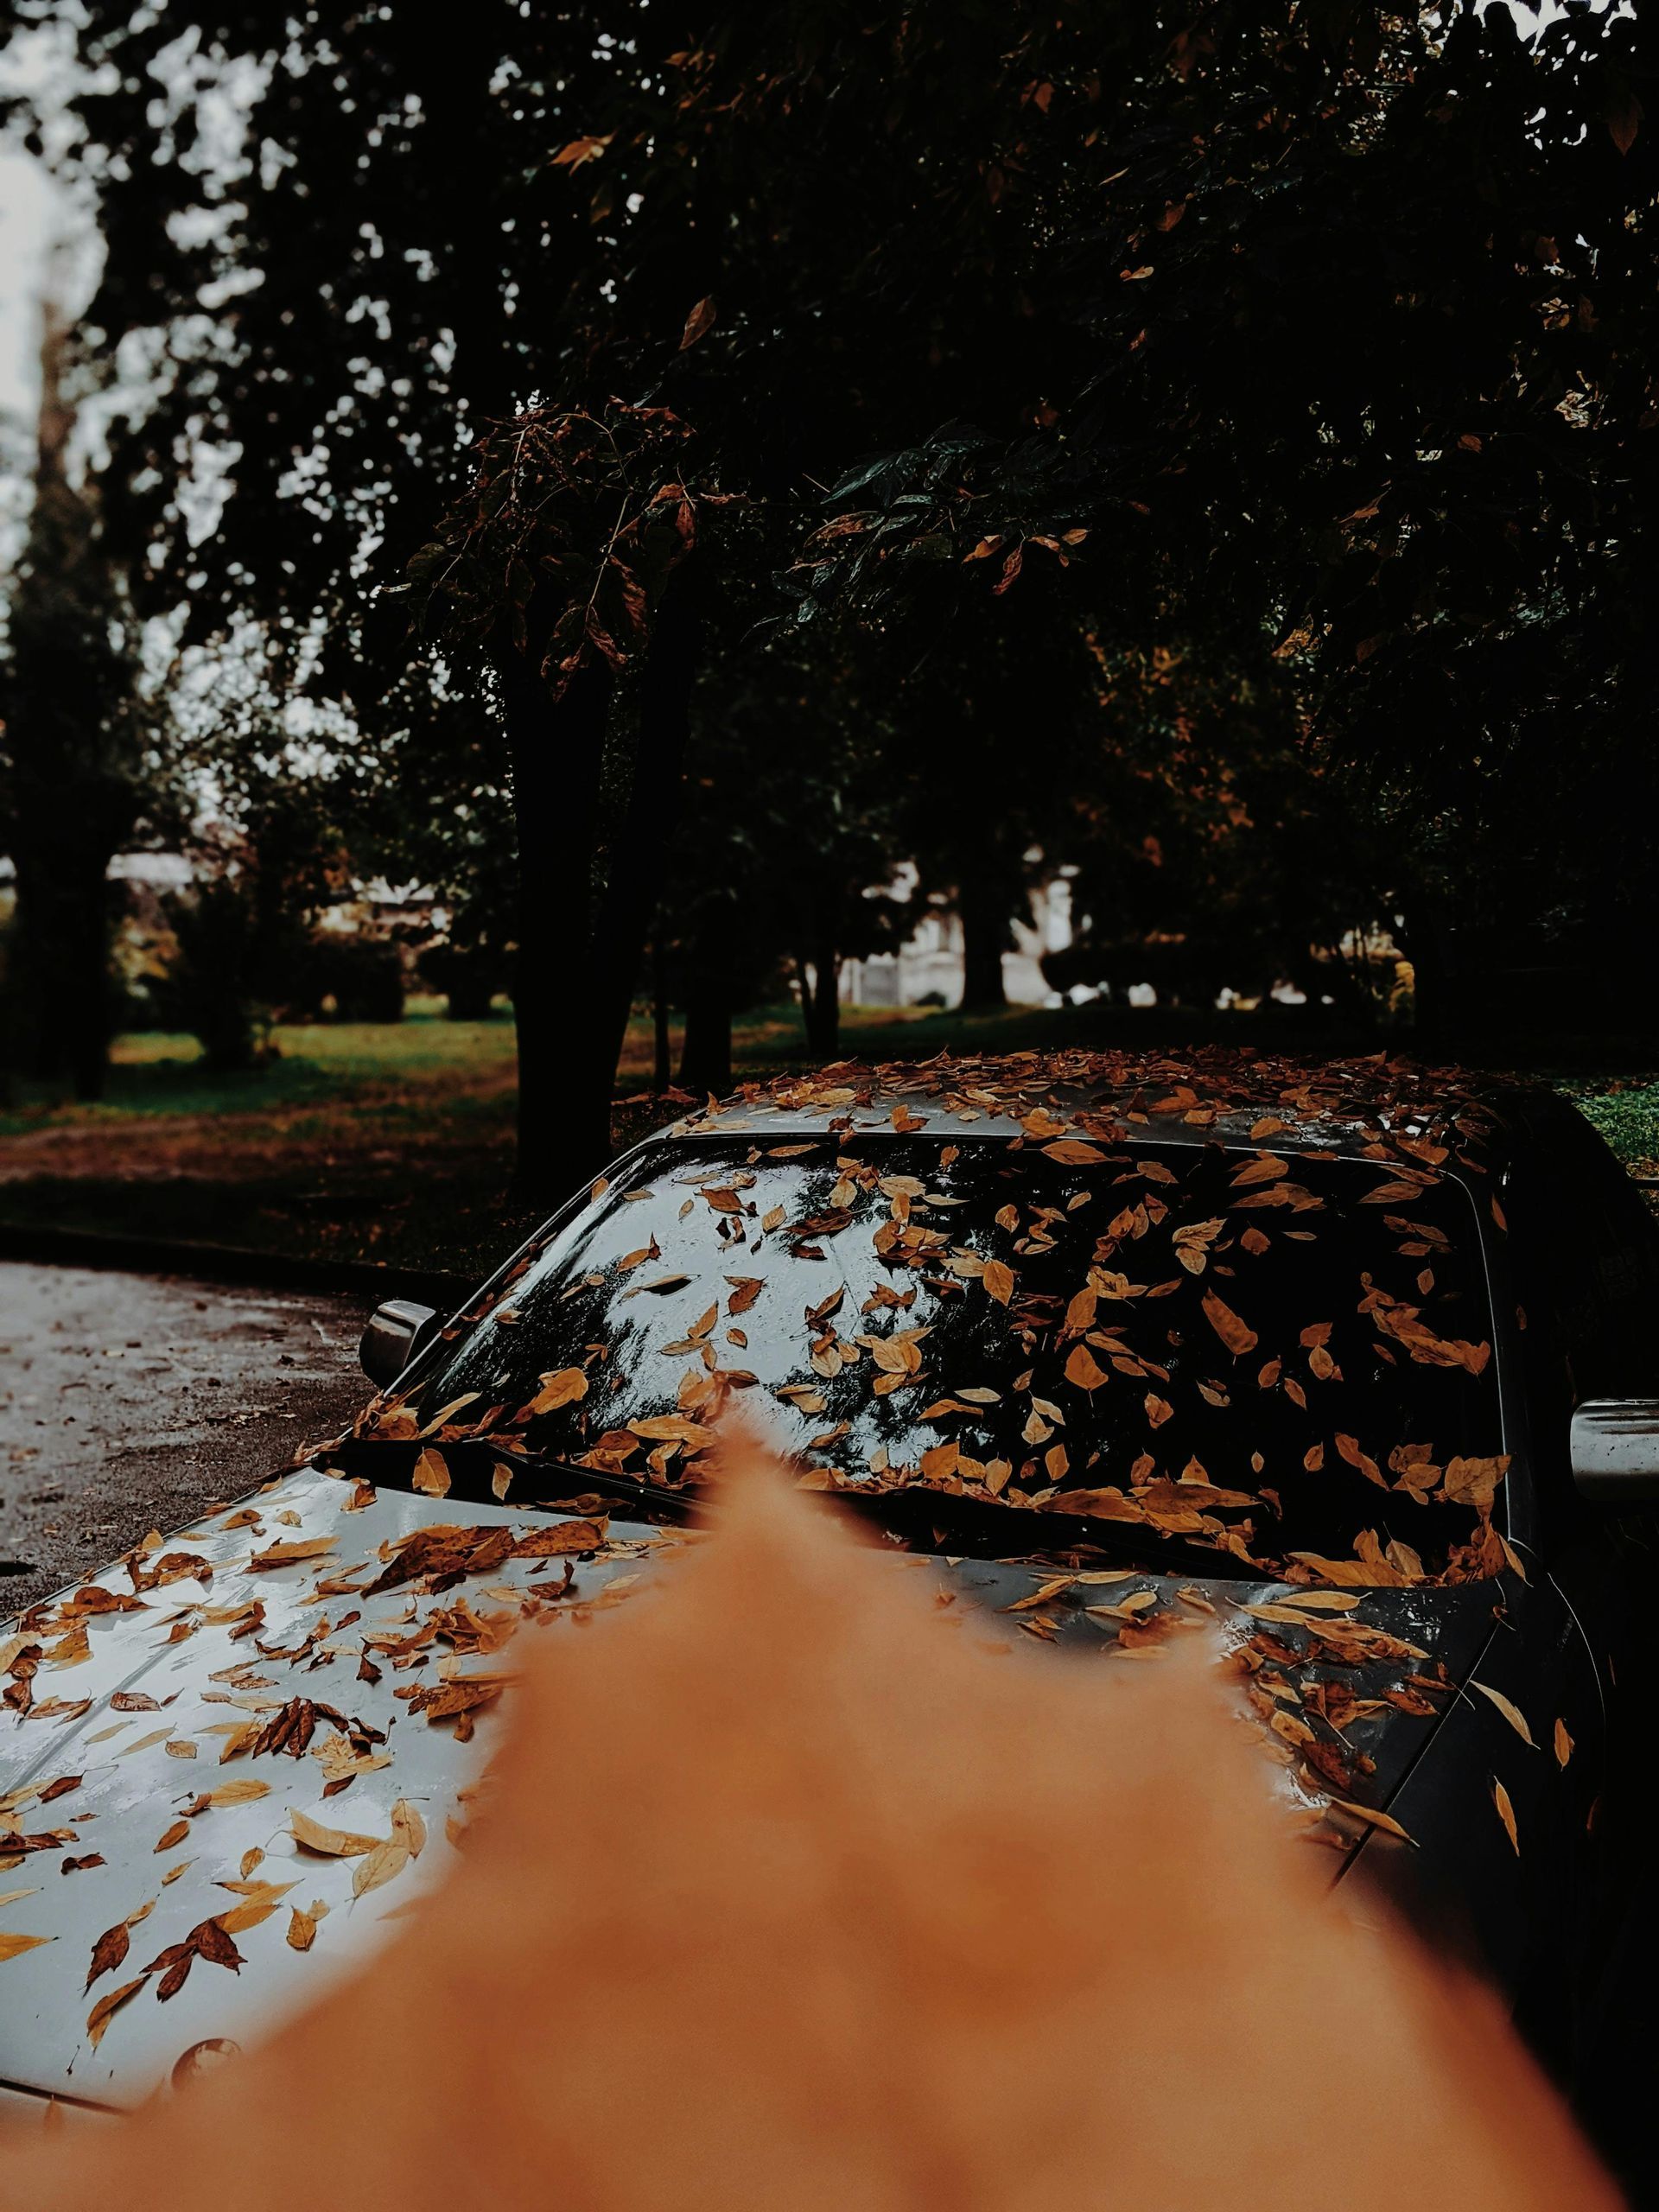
x: 1506, y: 1814
x: 110, y: 2004
x: 12, y: 1945
x: 1563, y: 1743
x: 563, y: 1387
x: 1511, y: 1713
x: 334, y: 1843
x: 1235, y: 1334
x: 431, y: 1475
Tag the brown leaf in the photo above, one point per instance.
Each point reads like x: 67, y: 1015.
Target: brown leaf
x: 1072, y: 1152
x: 301, y: 1927
x: 560, y: 1388
x: 998, y: 1279
x: 290, y: 1554
x: 697, y: 323
x: 174, y: 1836
x: 1563, y: 1743
x: 1235, y: 1334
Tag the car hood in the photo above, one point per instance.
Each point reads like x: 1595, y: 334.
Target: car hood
x: 379, y: 1707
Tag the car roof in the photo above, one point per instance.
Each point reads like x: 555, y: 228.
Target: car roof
x: 1366, y: 1108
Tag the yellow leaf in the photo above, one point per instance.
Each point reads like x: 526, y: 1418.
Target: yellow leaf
x: 1373, y: 1819
x: 301, y: 1929
x: 290, y: 1554
x: 1506, y: 1814
x: 381, y: 1864
x: 1512, y: 1714
x: 1563, y: 1746
x: 998, y: 1279
x: 12, y: 1945
x: 431, y: 1475
x: 110, y: 2003
x: 561, y: 1388
x: 1072, y: 1152
x: 1082, y: 1369
x: 335, y: 1843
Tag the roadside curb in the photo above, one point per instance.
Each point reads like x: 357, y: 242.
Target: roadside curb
x: 227, y: 1263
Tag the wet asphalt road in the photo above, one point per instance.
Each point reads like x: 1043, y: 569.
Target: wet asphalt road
x: 128, y: 1402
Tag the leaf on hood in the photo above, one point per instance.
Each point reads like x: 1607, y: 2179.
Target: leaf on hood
x: 174, y: 1836
x: 333, y: 1843
x: 1072, y: 1152
x: 1506, y: 1814
x: 1511, y: 1713
x: 290, y: 1554
x: 12, y: 1945
x: 111, y: 1947
x: 108, y: 2005
x: 302, y: 1924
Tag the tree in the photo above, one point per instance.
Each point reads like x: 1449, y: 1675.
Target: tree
x: 78, y: 754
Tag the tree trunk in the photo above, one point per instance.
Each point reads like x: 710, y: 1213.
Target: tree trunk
x: 564, y: 1083
x: 635, y: 875
x: 983, y: 908
x: 61, y: 987
x: 823, y: 1008
x: 662, y: 1066
x: 706, y: 1055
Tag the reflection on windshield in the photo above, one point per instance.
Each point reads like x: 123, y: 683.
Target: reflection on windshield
x: 1284, y: 1357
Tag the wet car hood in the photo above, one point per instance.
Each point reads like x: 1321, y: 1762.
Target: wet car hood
x: 253, y: 1679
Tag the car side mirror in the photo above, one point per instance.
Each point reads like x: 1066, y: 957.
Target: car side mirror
x: 1615, y: 1449
x: 398, y: 1331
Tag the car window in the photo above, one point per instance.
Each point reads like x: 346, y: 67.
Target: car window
x: 1285, y: 1358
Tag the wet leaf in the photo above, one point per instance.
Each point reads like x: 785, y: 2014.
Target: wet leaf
x: 563, y: 1387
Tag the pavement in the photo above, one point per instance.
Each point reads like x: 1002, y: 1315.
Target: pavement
x: 132, y: 1401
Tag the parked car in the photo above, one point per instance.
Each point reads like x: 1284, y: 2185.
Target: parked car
x: 1352, y: 1368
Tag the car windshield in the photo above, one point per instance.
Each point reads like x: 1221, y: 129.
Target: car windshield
x: 1283, y: 1357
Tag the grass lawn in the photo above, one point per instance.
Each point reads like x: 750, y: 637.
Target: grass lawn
x: 394, y: 1142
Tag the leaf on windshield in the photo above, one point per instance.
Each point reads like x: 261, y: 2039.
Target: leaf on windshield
x: 561, y: 1388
